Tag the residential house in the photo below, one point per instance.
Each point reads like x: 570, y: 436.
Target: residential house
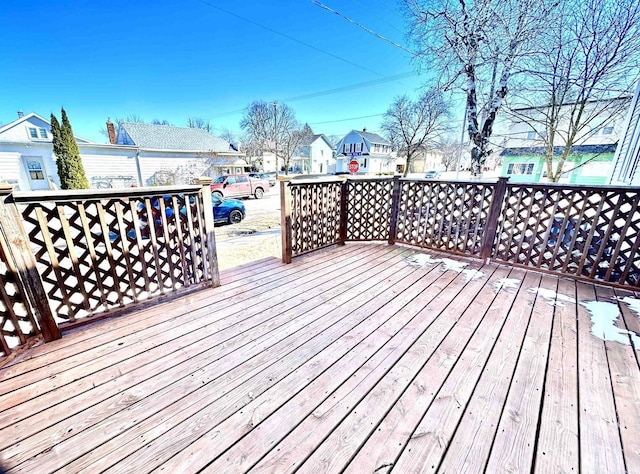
x: 591, y: 156
x: 423, y: 159
x: 28, y: 163
x: 625, y: 164
x: 373, y: 153
x: 137, y: 155
x: 168, y: 154
x: 314, y: 156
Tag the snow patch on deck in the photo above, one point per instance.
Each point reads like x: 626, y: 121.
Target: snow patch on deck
x: 422, y: 260
x: 453, y: 265
x: 552, y: 297
x: 633, y: 303
x: 603, y: 323
x: 470, y: 275
x: 506, y: 283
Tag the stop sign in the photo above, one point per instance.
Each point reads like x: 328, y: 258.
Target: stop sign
x: 354, y: 166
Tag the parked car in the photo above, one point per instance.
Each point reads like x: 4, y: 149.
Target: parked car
x: 269, y: 177
x: 227, y: 210
x: 239, y: 185
x: 432, y: 174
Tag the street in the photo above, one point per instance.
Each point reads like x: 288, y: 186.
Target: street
x: 256, y: 237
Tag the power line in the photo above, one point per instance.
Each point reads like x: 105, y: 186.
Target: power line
x: 347, y: 119
x: 284, y: 35
x: 351, y: 87
x: 368, y: 10
x: 368, y: 30
x: 337, y: 90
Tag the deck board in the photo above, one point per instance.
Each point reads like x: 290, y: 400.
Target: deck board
x: 350, y: 359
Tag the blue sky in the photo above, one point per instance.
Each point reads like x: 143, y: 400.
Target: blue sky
x: 178, y: 59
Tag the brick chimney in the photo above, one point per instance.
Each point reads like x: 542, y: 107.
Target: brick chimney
x: 20, y: 114
x: 111, y: 130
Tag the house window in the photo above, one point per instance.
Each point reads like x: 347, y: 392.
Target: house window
x: 520, y: 168
x: 532, y: 135
x: 43, y: 132
x: 607, y: 130
x: 33, y: 133
x: 595, y: 131
x: 358, y: 146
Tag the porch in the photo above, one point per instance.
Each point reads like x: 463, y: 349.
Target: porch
x: 364, y: 357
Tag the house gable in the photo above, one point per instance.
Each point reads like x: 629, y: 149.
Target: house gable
x: 30, y: 128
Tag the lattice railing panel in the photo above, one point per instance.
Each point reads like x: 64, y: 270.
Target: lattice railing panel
x: 95, y: 255
x: 315, y: 216
x: 369, y: 209
x: 17, y: 322
x: 581, y: 231
x: 444, y: 215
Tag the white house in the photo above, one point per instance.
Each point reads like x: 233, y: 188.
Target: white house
x: 373, y: 153
x: 27, y: 160
x: 625, y: 163
x: 314, y: 156
x: 142, y: 155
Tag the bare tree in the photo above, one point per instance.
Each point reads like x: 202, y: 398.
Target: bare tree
x: 478, y: 45
x: 583, y: 77
x: 197, y: 122
x: 131, y: 118
x: 415, y: 125
x: 228, y: 135
x: 273, y: 127
x: 451, y: 151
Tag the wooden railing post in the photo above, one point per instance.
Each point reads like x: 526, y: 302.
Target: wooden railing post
x: 212, y: 252
x: 395, y: 204
x: 344, y: 193
x: 25, y: 265
x: 285, y: 217
x: 492, y: 220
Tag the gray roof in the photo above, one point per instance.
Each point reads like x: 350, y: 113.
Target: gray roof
x: 312, y: 138
x: 166, y: 137
x: 373, y: 137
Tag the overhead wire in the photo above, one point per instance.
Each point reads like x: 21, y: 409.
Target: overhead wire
x: 368, y: 10
x: 359, y: 25
x: 336, y: 90
x: 289, y: 37
x: 347, y: 119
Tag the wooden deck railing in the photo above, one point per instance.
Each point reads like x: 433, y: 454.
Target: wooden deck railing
x: 69, y: 257
x: 585, y: 232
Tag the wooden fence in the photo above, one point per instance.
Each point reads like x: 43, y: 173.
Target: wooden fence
x: 584, y: 232
x: 68, y: 258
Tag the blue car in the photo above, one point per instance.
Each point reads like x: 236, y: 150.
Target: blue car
x: 227, y: 210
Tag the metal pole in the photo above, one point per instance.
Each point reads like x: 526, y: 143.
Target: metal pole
x: 275, y: 133
x: 464, y: 123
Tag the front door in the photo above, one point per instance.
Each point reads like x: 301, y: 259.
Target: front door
x: 36, y: 173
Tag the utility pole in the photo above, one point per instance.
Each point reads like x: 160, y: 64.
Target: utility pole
x: 275, y: 131
x: 464, y: 125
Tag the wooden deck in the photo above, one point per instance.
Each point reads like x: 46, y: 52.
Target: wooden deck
x: 350, y: 359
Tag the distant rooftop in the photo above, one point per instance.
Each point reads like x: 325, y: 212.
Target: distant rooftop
x: 167, y: 137
x: 373, y: 137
